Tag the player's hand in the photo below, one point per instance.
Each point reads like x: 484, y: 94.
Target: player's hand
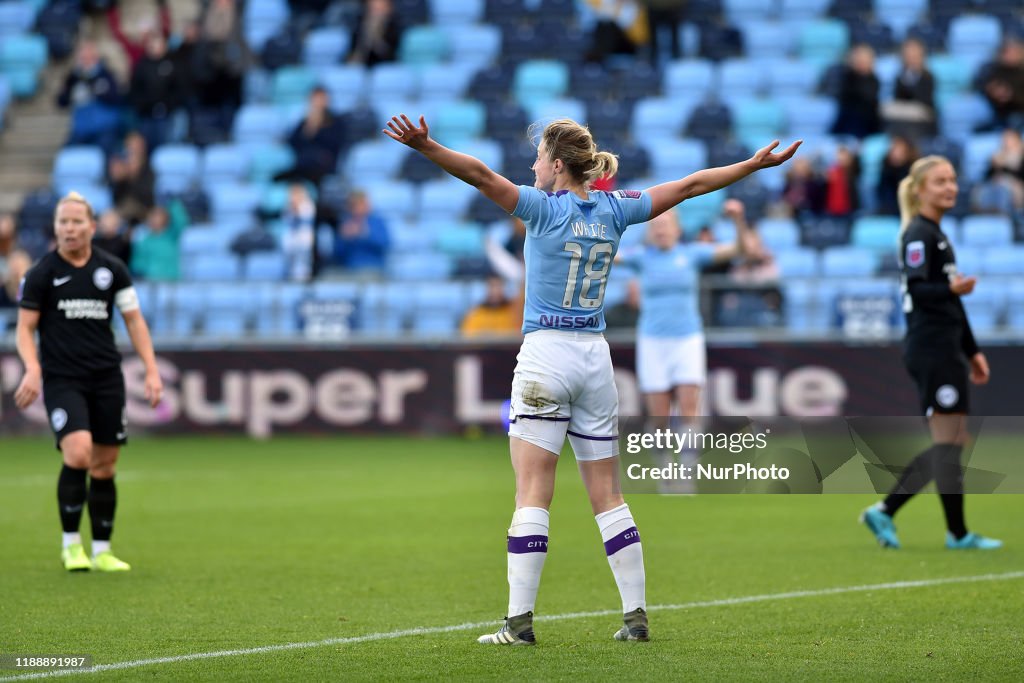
x: 961, y: 285
x: 765, y: 159
x: 979, y: 369
x: 153, y: 388
x: 403, y: 130
x: 733, y: 208
x: 29, y: 389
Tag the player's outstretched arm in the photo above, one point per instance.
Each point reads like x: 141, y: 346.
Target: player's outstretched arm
x: 667, y: 195
x: 470, y: 170
x: 138, y: 332
x: 31, y: 384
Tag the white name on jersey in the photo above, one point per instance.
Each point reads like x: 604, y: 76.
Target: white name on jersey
x: 76, y: 309
x: 596, y: 230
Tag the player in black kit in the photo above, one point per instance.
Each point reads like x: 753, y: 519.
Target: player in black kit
x: 69, y: 297
x: 940, y: 353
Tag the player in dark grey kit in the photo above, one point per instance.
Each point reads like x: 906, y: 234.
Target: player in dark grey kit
x: 69, y: 298
x: 940, y: 353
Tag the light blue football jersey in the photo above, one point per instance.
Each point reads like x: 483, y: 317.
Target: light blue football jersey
x: 570, y: 244
x: 669, y: 287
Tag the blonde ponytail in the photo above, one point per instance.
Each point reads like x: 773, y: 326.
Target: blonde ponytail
x: 606, y: 165
x: 909, y: 202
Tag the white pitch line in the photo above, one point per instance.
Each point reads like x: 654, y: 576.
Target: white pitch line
x: 433, y: 630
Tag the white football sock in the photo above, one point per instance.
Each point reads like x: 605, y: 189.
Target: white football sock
x: 527, y: 550
x: 625, y: 555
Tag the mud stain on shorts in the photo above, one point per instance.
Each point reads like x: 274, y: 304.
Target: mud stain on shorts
x: 535, y: 395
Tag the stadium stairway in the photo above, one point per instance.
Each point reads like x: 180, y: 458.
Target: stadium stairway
x: 35, y: 131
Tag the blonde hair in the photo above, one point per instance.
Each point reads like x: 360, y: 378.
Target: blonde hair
x: 76, y: 197
x: 572, y: 143
x: 910, y: 185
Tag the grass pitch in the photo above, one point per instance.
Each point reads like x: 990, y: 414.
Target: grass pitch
x: 238, y: 544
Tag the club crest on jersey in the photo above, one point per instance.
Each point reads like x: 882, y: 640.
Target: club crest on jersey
x: 947, y: 396
x: 628, y: 194
x: 102, y: 278
x: 58, y: 418
x: 915, y: 253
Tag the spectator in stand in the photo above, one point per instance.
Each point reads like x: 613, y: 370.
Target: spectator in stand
x: 858, y: 95
x: 841, y: 184
x: 113, y: 236
x: 362, y: 240
x: 8, y: 241
x: 131, y: 179
x: 664, y: 18
x: 157, y: 94
x: 135, y: 48
x: 18, y: 263
x: 912, y: 110
x: 376, y: 35
x: 220, y: 58
x: 620, y: 28
x: 497, y: 314
x: 804, y: 192
x: 299, y: 218
x: 317, y: 140
x: 895, y: 167
x: 1002, y: 82
x: 92, y: 93
x: 1003, y: 189
x: 156, y: 253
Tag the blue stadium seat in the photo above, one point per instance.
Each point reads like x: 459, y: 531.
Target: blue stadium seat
x: 79, y: 165
x: 278, y: 313
x: 394, y: 200
x: 325, y: 47
x: 431, y: 265
x: 899, y: 15
x: 793, y: 77
x: 802, y: 310
x: 374, y: 160
x: 205, y: 239
x: 225, y: 163
x: 1004, y: 260
x: 952, y: 74
x: 383, y: 308
x: 292, y: 85
x: 960, y: 115
x: 456, y: 12
x: 757, y: 121
x: 21, y: 59
x: 699, y: 211
x: 176, y: 166
x: 258, y: 123
x: 444, y: 82
x: 797, y: 262
x: 475, y: 46
x: 978, y: 154
x: 970, y: 260
x: 741, y: 78
x: 539, y: 79
x: 408, y: 237
x: 262, y: 20
x: 461, y: 239
x: 848, y: 262
x: 229, y: 309
x: 234, y: 204
x: 880, y: 234
x: 545, y: 111
x: 673, y: 158
x: 445, y: 199
x: 345, y: 86
x: 1015, y: 305
x: 689, y: 78
x: 986, y: 231
x: 438, y: 308
x: 779, y: 234
x: 740, y: 11
x: 456, y: 121
x: 267, y: 159
x: 767, y: 39
x: 179, y: 306
x: 223, y: 267
x: 16, y: 17
x: 809, y: 116
x: 824, y: 41
x: 985, y: 306
x: 487, y: 151
x: 973, y: 37
x: 422, y: 45
x: 656, y: 116
x: 392, y: 81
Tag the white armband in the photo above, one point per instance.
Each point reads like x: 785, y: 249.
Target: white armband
x: 127, y: 300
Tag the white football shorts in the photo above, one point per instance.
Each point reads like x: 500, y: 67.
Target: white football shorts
x: 564, y: 385
x: 663, y: 363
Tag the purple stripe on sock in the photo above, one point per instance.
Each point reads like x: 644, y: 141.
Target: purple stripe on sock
x: 627, y: 537
x: 527, y: 544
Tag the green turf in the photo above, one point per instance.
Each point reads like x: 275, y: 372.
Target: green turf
x: 239, y: 544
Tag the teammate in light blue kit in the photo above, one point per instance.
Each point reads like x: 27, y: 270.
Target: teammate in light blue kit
x: 671, y: 360
x: 563, y: 383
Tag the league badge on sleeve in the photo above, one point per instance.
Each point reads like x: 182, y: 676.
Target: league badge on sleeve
x: 628, y: 194
x: 915, y: 254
